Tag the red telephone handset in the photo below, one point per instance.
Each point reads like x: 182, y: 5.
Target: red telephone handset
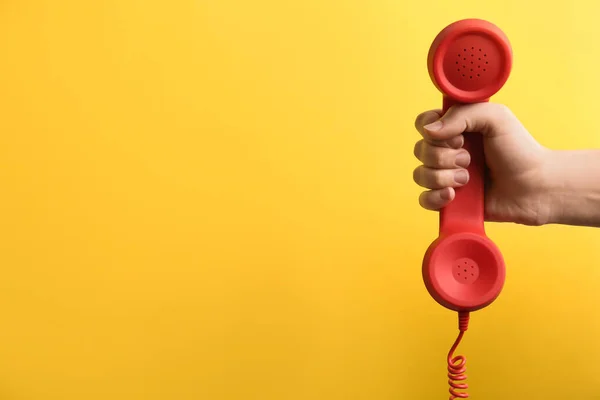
x: 463, y: 270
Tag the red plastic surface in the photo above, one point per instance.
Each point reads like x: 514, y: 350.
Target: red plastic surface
x: 463, y: 270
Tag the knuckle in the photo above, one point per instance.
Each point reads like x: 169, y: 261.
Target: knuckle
x: 438, y: 178
x: 441, y: 178
x: 419, y: 120
x: 423, y: 200
x: 417, y: 149
x: 439, y: 157
x: 426, y: 117
x: 417, y: 174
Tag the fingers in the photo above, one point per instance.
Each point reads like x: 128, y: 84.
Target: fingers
x: 426, y: 118
x: 441, y: 157
x: 440, y: 178
x: 443, y: 169
x: 436, y: 199
x: 429, y: 117
x: 444, y: 162
x: 484, y: 118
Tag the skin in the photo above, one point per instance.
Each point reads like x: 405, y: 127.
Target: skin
x: 529, y: 184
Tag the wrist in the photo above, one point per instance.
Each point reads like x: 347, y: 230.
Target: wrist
x: 571, y: 187
x: 552, y: 187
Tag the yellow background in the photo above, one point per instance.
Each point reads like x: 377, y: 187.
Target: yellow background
x: 213, y: 199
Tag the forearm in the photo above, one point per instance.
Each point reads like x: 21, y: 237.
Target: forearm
x: 573, y: 180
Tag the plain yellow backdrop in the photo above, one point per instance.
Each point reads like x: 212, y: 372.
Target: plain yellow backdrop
x: 213, y: 199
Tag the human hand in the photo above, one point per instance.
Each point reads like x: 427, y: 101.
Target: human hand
x: 517, y: 189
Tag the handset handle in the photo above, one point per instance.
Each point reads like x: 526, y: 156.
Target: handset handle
x: 465, y: 213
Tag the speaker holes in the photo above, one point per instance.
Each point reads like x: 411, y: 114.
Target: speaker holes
x: 484, y: 70
x: 477, y: 75
x: 485, y: 55
x: 487, y: 62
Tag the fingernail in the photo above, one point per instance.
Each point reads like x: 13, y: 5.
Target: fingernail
x: 461, y: 177
x: 445, y: 195
x: 434, y: 126
x: 463, y: 159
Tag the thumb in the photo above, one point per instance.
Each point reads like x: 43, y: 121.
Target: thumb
x: 482, y: 118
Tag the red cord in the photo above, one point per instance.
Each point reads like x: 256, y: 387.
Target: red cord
x: 457, y: 365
